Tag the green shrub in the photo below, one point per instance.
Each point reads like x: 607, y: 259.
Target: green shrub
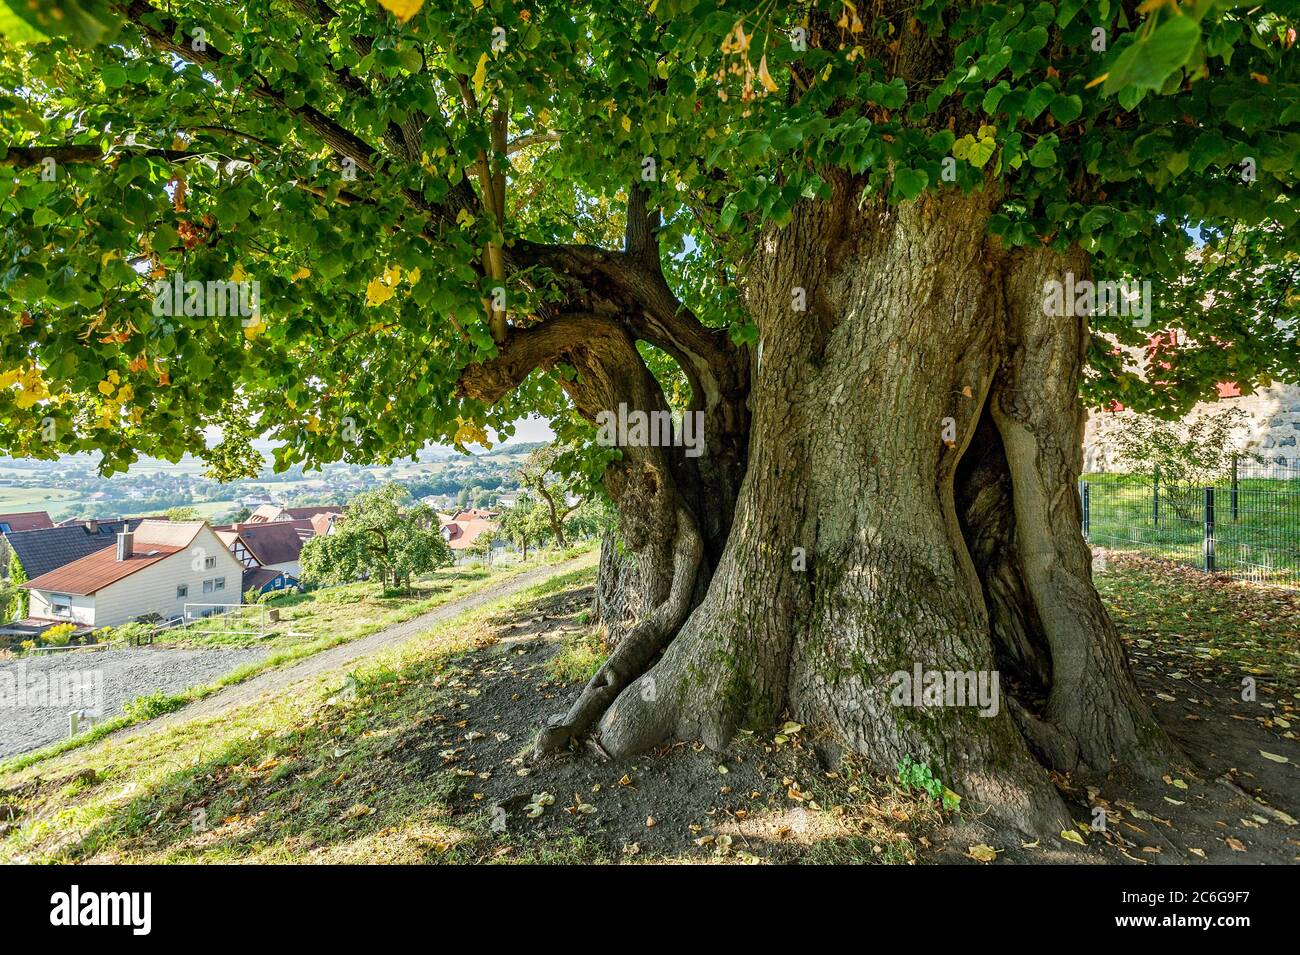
x: 134, y: 634
x: 59, y: 635
x: 155, y: 704
x: 918, y: 777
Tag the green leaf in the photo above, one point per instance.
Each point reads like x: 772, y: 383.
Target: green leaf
x: 1066, y: 109
x: 1146, y: 64
x: 910, y: 183
x: 981, y: 151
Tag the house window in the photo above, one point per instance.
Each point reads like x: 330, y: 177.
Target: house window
x: 221, y: 583
x: 207, y: 586
x: 182, y: 590
x: 209, y: 563
x: 61, y: 605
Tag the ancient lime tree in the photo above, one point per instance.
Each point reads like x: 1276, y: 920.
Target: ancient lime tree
x: 873, y: 247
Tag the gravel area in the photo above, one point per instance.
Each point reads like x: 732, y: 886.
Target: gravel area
x: 37, y: 692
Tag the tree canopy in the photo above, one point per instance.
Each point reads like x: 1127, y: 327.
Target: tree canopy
x: 382, y: 536
x: 409, y: 187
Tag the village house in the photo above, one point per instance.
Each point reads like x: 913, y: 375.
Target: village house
x: 159, y: 568
x: 268, y: 551
x: 270, y: 513
x: 24, y: 521
x: 43, y: 549
x: 463, y: 529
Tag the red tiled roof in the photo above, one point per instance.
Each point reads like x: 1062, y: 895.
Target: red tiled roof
x: 153, y: 541
x: 27, y: 521
x: 321, y: 523
x: 97, y: 571
x: 270, y: 513
x: 463, y: 533
x: 307, y: 513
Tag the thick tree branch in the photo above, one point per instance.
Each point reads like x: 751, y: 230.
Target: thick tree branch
x: 340, y: 140
x: 641, y: 238
x: 531, y: 139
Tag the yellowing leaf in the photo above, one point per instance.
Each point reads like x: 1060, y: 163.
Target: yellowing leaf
x: 982, y: 853
x: 626, y: 123
x: 765, y: 77
x: 1069, y: 835
x: 402, y: 9
x: 302, y: 273
x: 1274, y: 757
x: 238, y: 274
x: 480, y: 74
x: 378, y: 291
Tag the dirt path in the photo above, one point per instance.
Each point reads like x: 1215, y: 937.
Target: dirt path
x: 344, y: 654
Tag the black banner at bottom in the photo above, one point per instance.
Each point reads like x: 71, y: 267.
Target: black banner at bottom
x: 143, y: 906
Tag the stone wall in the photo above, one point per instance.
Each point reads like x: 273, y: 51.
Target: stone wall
x: 1272, y: 427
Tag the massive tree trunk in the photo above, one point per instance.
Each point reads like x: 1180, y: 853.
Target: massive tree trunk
x: 910, y: 450
x: 853, y: 557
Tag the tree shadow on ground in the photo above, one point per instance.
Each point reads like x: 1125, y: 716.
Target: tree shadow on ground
x: 429, y: 762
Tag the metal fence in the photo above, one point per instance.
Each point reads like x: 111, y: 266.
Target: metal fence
x: 1245, y: 523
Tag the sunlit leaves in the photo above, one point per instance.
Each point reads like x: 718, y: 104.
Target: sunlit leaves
x: 1148, y: 62
x: 403, y: 9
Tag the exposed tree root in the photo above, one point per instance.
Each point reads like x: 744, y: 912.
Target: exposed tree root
x: 635, y: 651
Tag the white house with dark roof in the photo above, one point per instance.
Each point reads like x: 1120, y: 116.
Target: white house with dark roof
x: 157, y: 569
x: 274, y: 544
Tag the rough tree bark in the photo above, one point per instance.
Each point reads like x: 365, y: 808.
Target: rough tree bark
x: 912, y: 449
x: 914, y: 316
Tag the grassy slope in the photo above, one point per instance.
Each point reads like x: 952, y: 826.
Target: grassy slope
x: 311, y: 623
x: 378, y: 768
x: 323, y: 750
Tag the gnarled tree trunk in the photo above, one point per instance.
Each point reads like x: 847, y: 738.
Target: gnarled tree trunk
x: 910, y: 450
x: 853, y: 557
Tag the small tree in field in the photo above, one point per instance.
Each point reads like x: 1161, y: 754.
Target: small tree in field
x: 553, y: 488
x: 482, y: 546
x: 183, y: 514
x: 382, y: 536
x: 1183, y: 458
x: 524, y: 524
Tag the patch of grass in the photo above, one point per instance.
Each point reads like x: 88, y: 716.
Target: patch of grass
x: 332, y: 615
x: 155, y: 704
x: 334, y: 599
x: 579, y: 658
x: 1260, y: 541
x: 340, y: 770
x: 1189, y: 613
